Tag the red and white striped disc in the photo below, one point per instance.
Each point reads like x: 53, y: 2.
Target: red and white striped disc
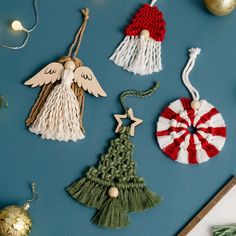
x: 183, y: 146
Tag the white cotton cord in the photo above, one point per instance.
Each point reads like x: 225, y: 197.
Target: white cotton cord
x: 153, y: 3
x: 138, y: 55
x: 194, y: 52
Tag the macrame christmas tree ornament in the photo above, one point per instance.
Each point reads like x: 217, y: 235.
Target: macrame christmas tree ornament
x: 140, y: 51
x: 113, y: 187
x: 15, y: 220
x: 57, y: 113
x: 174, y: 134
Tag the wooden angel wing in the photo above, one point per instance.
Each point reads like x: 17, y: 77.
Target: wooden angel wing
x: 49, y: 74
x: 86, y: 79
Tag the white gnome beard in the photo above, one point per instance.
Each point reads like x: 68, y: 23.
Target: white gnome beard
x: 138, y: 55
x: 59, y: 119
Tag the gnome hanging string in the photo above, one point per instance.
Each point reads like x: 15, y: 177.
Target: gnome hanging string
x: 140, y: 51
x: 57, y: 113
x: 15, y: 220
x: 191, y: 131
x: 113, y: 188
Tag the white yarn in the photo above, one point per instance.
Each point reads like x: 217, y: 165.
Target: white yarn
x: 153, y: 3
x: 138, y: 55
x: 59, y: 118
x: 194, y: 52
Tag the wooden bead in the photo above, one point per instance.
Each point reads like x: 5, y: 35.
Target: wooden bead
x: 113, y: 192
x: 70, y: 65
x: 145, y: 34
x: 195, y: 105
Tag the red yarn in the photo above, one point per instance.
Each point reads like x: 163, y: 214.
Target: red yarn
x: 169, y: 114
x: 192, y: 152
x: 210, y: 149
x: 186, y: 103
x: 207, y: 116
x: 215, y: 131
x: 148, y: 18
x: 172, y: 150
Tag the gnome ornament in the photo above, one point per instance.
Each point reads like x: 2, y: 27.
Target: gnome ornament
x: 58, y: 112
x: 140, y: 51
x: 191, y: 131
x: 113, y: 187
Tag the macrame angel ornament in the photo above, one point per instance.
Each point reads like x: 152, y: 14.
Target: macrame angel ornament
x: 140, y: 51
x: 191, y: 131
x: 113, y: 187
x: 57, y: 114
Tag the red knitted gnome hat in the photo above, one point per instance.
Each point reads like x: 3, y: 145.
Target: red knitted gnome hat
x: 147, y: 18
x: 140, y: 51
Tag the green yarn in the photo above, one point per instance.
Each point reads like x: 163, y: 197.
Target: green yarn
x: 116, y: 168
x: 89, y: 193
x: 137, y: 93
x: 226, y: 230
x: 111, y: 215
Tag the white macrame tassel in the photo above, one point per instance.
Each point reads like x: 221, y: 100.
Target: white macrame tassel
x: 139, y: 55
x: 60, y: 115
x: 194, y: 52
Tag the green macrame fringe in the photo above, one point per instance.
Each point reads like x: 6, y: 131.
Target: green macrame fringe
x: 92, y: 194
x: 138, y: 199
x: 111, y: 215
x: 226, y: 230
x: 88, y: 193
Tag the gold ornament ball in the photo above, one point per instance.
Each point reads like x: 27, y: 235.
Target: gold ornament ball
x: 220, y: 7
x: 15, y: 221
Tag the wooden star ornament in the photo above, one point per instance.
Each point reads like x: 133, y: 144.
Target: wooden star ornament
x: 130, y: 115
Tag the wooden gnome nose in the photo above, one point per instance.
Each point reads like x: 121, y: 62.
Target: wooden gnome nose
x: 145, y: 33
x: 113, y: 192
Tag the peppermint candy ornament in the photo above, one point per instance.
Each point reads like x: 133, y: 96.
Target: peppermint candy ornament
x: 140, y: 51
x: 174, y: 134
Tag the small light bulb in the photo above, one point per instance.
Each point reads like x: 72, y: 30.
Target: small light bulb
x: 17, y: 26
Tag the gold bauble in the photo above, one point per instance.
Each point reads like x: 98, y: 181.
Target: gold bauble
x: 15, y: 221
x: 220, y: 7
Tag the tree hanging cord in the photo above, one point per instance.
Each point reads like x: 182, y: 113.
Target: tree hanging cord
x: 137, y: 93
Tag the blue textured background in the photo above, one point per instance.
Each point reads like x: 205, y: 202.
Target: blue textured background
x: 24, y: 157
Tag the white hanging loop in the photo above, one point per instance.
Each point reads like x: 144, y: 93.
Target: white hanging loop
x: 153, y: 3
x: 194, y: 52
